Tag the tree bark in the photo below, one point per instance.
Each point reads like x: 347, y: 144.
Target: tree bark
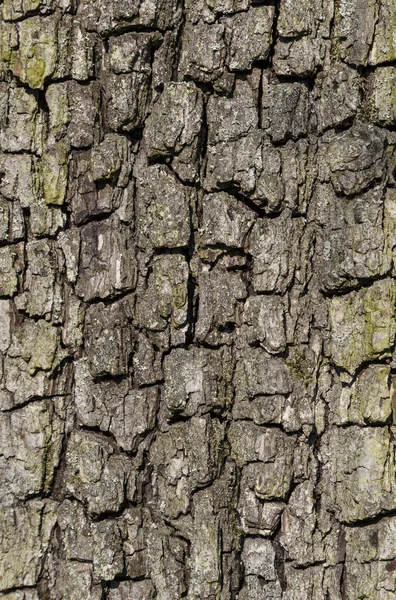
x: 197, y: 299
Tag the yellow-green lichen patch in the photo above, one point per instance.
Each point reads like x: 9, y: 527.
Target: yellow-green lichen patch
x: 36, y: 343
x: 360, y: 465
x: 15, y: 9
x: 363, y: 325
x: 25, y: 534
x: 368, y: 400
x: 54, y: 174
x: 29, y: 49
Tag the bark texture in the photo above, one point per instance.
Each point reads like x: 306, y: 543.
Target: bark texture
x: 197, y: 299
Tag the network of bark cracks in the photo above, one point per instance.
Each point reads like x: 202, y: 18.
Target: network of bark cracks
x: 197, y: 299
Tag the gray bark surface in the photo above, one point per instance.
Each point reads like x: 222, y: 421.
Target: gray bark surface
x: 197, y: 299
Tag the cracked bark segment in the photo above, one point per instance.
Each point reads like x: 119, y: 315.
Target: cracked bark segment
x: 139, y: 590
x: 380, y: 100
x: 69, y: 243
x: 53, y: 173
x: 363, y: 325
x: 273, y: 377
x: 284, y: 109
x: 130, y: 52
x: 36, y: 343
x: 272, y: 394
x: 108, y: 339
x: 110, y: 160
x: 354, y: 30
x: 311, y: 581
x: 34, y: 60
x: 261, y: 409
x: 258, y: 517
x: 299, y: 516
x: 352, y: 245
x: 163, y: 63
x: 354, y: 159
x: 298, y: 174
x: 376, y: 579
x: 28, y: 359
x: 31, y: 444
x: 359, y: 472
x: 108, y: 559
x: 368, y: 401
x: 97, y: 545
x: 25, y: 537
x: 269, y: 480
x: 274, y: 248
x: 249, y: 37
x: 11, y: 265
x: 146, y: 361
x: 114, y: 16
x: 113, y: 407
x: 127, y: 80
x: 134, y: 543
x: 389, y: 211
x: 23, y: 382
x: 235, y: 166
x: 303, y: 31
x: 336, y: 96
x: 173, y: 127
x: 209, y: 11
x: 28, y: 594
x: 13, y: 10
x: 301, y: 57
x: 231, y: 118
x: 225, y: 221
x: 91, y: 198
x: 73, y: 109
x: 12, y: 224
x: 273, y: 178
x: 264, y: 320
x: 75, y: 579
x: 221, y: 295
x: 383, y: 45
x: 75, y: 531
x: 38, y: 49
x: 240, y: 157
x: 39, y: 294
x: 107, y: 265
x: 205, y: 552
x: 166, y: 554
x: 164, y: 303
x: 163, y: 209
x: 96, y: 474
x: 203, y: 55
x: 258, y: 450
x: 370, y: 559
x: 185, y: 459
x: 5, y: 325
x: 46, y: 220
x: 21, y: 124
x: 21, y: 183
x: 253, y: 587
x: 16, y: 183
x: 76, y: 50
x: 258, y: 556
x: 197, y: 379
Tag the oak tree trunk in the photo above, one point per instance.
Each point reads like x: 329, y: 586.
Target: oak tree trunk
x: 197, y: 299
